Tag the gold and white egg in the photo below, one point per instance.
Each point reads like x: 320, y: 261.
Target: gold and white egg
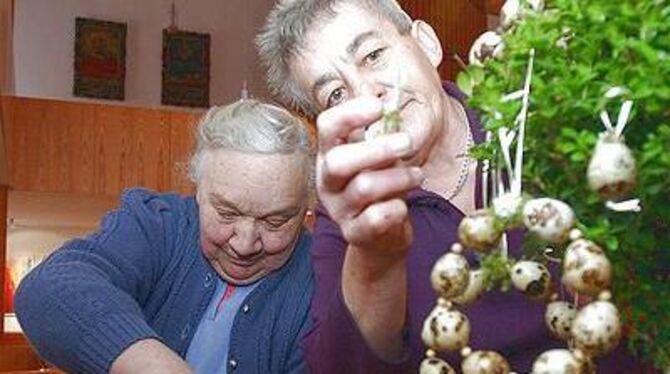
x: 597, y: 328
x: 549, y: 219
x: 532, y: 278
x: 559, y: 317
x: 434, y: 365
x: 611, y: 171
x: 485, y: 362
x: 586, y: 268
x: 446, y: 329
x: 450, y: 275
x: 479, y: 231
x: 561, y: 361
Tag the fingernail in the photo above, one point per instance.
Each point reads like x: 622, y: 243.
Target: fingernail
x: 400, y: 143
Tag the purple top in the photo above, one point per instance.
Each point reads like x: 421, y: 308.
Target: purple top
x: 508, y: 323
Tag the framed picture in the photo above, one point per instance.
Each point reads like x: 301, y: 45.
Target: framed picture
x: 185, y: 68
x: 99, y: 59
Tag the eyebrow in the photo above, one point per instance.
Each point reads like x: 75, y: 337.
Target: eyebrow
x: 351, y: 50
x: 218, y: 200
x: 356, y: 43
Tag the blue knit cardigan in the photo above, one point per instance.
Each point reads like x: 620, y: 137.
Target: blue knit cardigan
x: 143, y: 276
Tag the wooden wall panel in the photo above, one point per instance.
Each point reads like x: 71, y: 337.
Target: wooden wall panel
x: 82, y: 152
x: 182, y: 141
x: 457, y: 23
x: 95, y: 149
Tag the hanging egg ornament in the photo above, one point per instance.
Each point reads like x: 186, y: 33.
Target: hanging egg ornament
x: 450, y: 275
x: 485, y: 362
x: 549, y: 219
x: 532, y: 278
x: 487, y: 45
x: 446, y: 329
x: 435, y: 365
x: 474, y: 290
x: 597, y: 328
x: 560, y: 361
x: 612, y: 172
x: 586, y: 269
x: 512, y: 11
x: 479, y: 231
x: 559, y: 317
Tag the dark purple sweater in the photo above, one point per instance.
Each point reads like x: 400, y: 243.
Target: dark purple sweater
x: 505, y: 322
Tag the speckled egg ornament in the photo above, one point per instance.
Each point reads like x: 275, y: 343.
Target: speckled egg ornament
x: 487, y: 45
x: 446, y: 329
x: 479, y: 231
x: 532, y: 278
x: 561, y: 361
x: 586, y: 269
x: 485, y: 362
x: 450, y: 275
x: 435, y: 365
x: 597, y: 328
x: 612, y: 172
x: 559, y: 317
x: 549, y: 219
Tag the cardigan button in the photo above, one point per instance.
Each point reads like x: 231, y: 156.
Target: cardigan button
x: 246, y: 308
x: 185, y: 331
x: 232, y: 363
x: 208, y: 280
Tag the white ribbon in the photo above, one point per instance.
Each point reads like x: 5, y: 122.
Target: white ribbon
x: 624, y: 113
x: 632, y: 205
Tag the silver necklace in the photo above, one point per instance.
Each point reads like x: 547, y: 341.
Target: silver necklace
x: 464, y: 170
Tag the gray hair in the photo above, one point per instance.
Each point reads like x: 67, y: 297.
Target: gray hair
x: 251, y: 126
x: 284, y: 33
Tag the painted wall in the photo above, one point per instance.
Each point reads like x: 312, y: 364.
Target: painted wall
x: 44, y: 44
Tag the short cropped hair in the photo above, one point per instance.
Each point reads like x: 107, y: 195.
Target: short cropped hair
x: 284, y: 35
x: 251, y: 126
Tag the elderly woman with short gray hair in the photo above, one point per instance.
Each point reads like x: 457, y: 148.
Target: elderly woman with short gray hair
x: 215, y: 282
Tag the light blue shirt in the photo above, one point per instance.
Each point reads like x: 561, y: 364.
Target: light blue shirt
x: 208, y: 351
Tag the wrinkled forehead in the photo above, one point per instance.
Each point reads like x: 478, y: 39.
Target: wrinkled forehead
x: 331, y: 40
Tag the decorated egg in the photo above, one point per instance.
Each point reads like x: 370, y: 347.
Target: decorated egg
x: 549, y: 219
x: 375, y: 130
x: 597, y: 328
x: 559, y: 317
x: 479, y: 231
x: 450, y: 275
x: 560, y: 361
x: 487, y: 45
x: 512, y: 11
x: 586, y: 269
x: 485, y: 362
x: 434, y: 365
x: 446, y: 329
x: 474, y: 290
x: 611, y: 172
x: 532, y: 278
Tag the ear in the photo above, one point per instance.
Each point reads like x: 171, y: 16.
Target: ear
x: 428, y: 41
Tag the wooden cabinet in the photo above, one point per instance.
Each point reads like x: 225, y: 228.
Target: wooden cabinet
x: 95, y: 149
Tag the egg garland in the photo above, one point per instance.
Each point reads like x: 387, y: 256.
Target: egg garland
x: 590, y: 331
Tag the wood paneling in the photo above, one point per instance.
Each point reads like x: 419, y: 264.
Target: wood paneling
x: 457, y: 23
x: 95, y: 149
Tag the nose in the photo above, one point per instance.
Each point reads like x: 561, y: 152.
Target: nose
x: 370, y: 86
x: 245, y: 241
